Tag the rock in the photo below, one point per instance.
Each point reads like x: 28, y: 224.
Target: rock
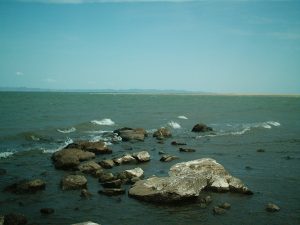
x: 90, y: 167
x: 130, y: 134
x: 203, y: 205
x: 98, y: 147
x: 26, y: 187
x: 224, y: 205
x: 134, y: 180
x: 260, y: 150
x: 186, y: 150
x: 162, y: 153
x: 70, y: 158
x: 126, y: 159
x: 186, y: 181
x: 177, y: 143
x: 2, y: 172
x: 200, y: 127
x: 112, y: 184
x: 1, y: 220
x: 14, y: 219
x: 107, y: 163
x: 112, y: 191
x: 85, y: 193
x: 105, y: 177
x: 47, y: 211
x: 73, y: 182
x: 168, y: 158
x: 86, y: 223
x: 218, y: 211
x: 271, y: 207
x: 142, y: 156
x: 136, y: 172
x: 162, y: 133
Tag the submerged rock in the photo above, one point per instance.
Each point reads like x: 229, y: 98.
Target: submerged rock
x: 130, y: 134
x: 168, y: 158
x: 224, y: 205
x: 26, y: 187
x: 185, y: 182
x: 177, y: 143
x: 187, y: 150
x: 2, y: 172
x: 162, y: 133
x: 271, y: 207
x: 200, y: 127
x: 73, y: 182
x: 142, y: 156
x: 98, y: 147
x: 218, y: 211
x: 15, y: 219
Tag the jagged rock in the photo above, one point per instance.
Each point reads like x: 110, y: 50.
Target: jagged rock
x: 162, y: 133
x: 105, y: 177
x: 186, y: 180
x: 130, y: 134
x: 112, y: 184
x: 70, y: 158
x: 86, y: 223
x: 177, y: 143
x: 112, y: 191
x: 107, y: 163
x: 26, y: 187
x: 224, y: 205
x: 136, y: 172
x: 73, y: 182
x: 200, y: 127
x: 271, y: 207
x: 186, y: 150
x: 142, y: 156
x: 168, y: 158
x: 98, y: 147
x: 85, y: 193
x: 90, y: 167
x: 218, y: 211
x: 125, y: 159
x: 15, y: 219
x: 46, y: 211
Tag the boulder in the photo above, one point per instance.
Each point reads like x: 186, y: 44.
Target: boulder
x: 70, y: 158
x: 73, y: 182
x: 130, y: 134
x: 162, y: 133
x: 98, y: 147
x: 271, y: 207
x: 90, y: 167
x: 126, y: 159
x: 168, y: 158
x: 15, y: 219
x: 107, y: 163
x: 200, y: 127
x: 26, y: 187
x: 136, y: 172
x: 105, y: 177
x: 142, y: 156
x: 185, y: 182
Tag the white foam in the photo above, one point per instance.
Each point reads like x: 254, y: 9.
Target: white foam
x: 66, y: 131
x: 274, y: 123
x: 174, y: 125
x: 182, y: 117
x: 105, y: 122
x: 67, y: 142
x: 4, y: 155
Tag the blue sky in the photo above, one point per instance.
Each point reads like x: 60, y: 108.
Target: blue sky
x: 212, y: 46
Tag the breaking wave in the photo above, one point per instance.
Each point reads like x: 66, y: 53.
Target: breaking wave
x: 105, y: 122
x: 174, y: 125
x: 66, y: 131
x: 182, y: 117
x: 4, y: 155
x: 67, y: 142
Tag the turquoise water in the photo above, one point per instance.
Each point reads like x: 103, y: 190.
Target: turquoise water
x: 34, y: 125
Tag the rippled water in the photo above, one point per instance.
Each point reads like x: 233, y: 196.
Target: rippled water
x: 34, y: 125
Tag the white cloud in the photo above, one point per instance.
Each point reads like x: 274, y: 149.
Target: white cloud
x: 19, y: 73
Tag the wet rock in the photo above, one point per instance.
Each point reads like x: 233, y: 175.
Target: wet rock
x: 14, y: 219
x: 136, y: 172
x: 107, y: 163
x: 271, y: 207
x: 70, y: 158
x: 162, y: 153
x: 260, y: 150
x: 46, y: 211
x: 105, y: 177
x: 98, y: 147
x: 86, y: 223
x: 186, y: 181
x: 90, y: 167
x: 112, y: 184
x: 224, y: 205
x: 200, y: 127
x: 177, y: 143
x: 168, y: 158
x: 218, y: 211
x: 112, y: 191
x: 26, y: 187
x: 85, y: 193
x: 134, y: 180
x: 2, y: 172
x: 142, y: 156
x: 126, y: 159
x: 130, y: 134
x: 162, y: 133
x: 73, y: 182
x: 186, y: 150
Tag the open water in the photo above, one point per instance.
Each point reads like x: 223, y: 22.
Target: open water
x: 34, y: 125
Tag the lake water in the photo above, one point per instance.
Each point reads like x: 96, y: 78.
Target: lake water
x: 34, y: 125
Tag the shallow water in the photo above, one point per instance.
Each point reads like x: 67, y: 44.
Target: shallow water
x: 33, y: 125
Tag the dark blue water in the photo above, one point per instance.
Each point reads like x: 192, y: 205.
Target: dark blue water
x: 34, y: 125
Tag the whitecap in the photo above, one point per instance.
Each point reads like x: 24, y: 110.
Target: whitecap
x: 105, y: 122
x: 182, y: 117
x: 174, y: 125
x: 4, y: 155
x: 66, y: 131
x: 66, y: 143
x: 274, y: 123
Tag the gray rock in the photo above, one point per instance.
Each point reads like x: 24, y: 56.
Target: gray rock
x: 142, y: 156
x: 73, y: 182
x: 162, y: 133
x: 107, y: 163
x: 200, y: 127
x: 26, y: 187
x: 186, y: 180
x: 271, y: 207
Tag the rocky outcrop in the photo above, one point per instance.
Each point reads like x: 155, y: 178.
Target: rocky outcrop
x: 142, y: 156
x: 162, y: 133
x: 200, y: 127
x: 70, y: 158
x: 130, y: 134
x: 186, y: 180
x: 98, y: 147
x: 26, y: 187
x: 73, y: 182
x: 90, y: 167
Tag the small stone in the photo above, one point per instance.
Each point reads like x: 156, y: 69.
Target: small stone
x: 112, y: 191
x: 85, y: 193
x: 47, y: 211
x: 200, y: 127
x: 218, y: 211
x: 271, y: 207
x: 90, y: 167
x: 15, y: 219
x: 225, y: 205
x: 177, y: 143
x: 112, y: 184
x: 160, y: 142
x: 162, y: 133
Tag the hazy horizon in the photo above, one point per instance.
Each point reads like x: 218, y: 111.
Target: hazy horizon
x: 200, y: 46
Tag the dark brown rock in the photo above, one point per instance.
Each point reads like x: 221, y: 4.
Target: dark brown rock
x: 177, y: 143
x: 112, y: 184
x: 26, y: 187
x: 200, y: 127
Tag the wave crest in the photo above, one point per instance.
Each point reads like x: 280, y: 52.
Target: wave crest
x: 105, y: 122
x: 182, y: 117
x: 174, y: 125
x: 4, y: 155
x: 66, y: 131
x: 67, y: 142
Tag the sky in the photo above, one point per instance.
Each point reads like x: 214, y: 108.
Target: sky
x: 210, y: 46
